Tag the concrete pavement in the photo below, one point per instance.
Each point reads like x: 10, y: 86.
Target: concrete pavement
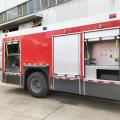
x: 17, y: 104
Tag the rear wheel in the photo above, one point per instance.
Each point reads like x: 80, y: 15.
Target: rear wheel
x: 37, y: 84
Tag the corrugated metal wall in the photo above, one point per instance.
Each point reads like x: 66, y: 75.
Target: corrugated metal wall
x: 67, y: 11
x: 78, y: 9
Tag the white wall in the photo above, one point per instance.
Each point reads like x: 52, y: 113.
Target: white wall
x: 98, y: 7
x: 78, y: 9
x: 25, y: 25
x: 6, y: 4
x: 70, y: 10
x: 67, y: 11
x: 1, y: 49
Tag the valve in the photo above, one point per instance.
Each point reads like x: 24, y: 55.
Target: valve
x: 92, y: 61
x: 117, y: 59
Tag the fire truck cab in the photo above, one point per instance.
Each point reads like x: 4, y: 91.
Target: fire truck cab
x: 80, y: 56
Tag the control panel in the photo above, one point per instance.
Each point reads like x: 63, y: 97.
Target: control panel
x: 105, y: 53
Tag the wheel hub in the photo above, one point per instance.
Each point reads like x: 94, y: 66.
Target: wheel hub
x: 36, y: 85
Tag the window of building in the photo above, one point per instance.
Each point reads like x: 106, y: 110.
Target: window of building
x: 20, y: 13
x: 12, y: 14
x: 60, y: 1
x: 1, y: 17
x: 5, y: 16
x: 37, y: 4
x: 44, y: 4
x: 30, y: 6
x: 52, y: 3
x: 24, y: 9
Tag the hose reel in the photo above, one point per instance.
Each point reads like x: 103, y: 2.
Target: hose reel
x: 87, y: 51
x: 117, y: 57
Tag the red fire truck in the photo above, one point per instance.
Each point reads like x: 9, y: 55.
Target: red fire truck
x: 80, y: 56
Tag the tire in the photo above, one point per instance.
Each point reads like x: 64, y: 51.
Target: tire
x: 37, y: 85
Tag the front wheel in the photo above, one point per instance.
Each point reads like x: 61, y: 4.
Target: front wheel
x: 37, y: 84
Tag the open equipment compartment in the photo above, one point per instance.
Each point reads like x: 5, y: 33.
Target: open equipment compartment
x: 101, y: 55
x: 12, y: 57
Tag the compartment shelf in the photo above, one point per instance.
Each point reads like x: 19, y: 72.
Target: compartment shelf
x: 14, y: 54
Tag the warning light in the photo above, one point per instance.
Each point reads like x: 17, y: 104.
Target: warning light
x: 113, y: 15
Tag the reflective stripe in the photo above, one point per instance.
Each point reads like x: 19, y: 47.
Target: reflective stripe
x: 66, y: 78
x: 36, y: 64
x: 101, y: 82
x: 90, y: 81
x: 112, y: 82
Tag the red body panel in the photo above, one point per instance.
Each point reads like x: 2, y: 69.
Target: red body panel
x: 37, y: 48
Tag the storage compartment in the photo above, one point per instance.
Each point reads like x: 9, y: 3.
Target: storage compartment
x: 102, y: 55
x: 108, y: 74
x: 12, y: 57
x: 66, y: 55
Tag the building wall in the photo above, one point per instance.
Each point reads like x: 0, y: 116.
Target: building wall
x: 67, y: 11
x: 6, y: 4
x: 77, y: 9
